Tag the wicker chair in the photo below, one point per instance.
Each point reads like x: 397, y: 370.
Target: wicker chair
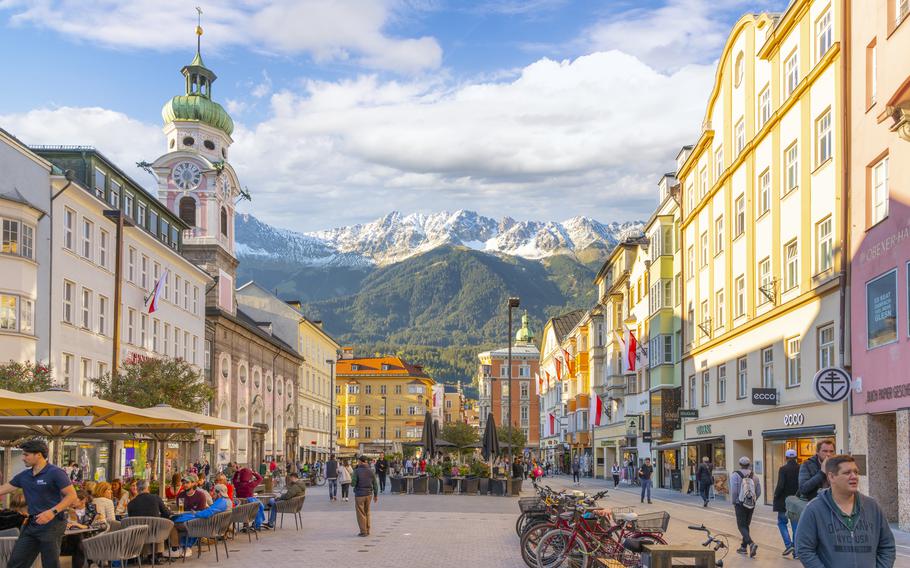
x: 244, y: 516
x: 6, y: 548
x: 291, y: 507
x: 159, y: 530
x: 214, y: 528
x: 120, y: 545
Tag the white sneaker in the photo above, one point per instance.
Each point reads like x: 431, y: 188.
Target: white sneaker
x: 188, y: 552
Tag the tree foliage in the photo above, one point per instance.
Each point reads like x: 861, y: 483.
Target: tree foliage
x: 462, y: 435
x: 515, y: 435
x: 25, y: 376
x: 146, y: 381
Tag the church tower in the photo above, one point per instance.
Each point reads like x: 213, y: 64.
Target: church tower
x: 196, y: 181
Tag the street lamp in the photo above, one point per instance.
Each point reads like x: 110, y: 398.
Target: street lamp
x: 513, y: 303
x: 385, y: 424
x: 331, y: 364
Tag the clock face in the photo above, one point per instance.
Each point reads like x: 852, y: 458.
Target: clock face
x: 225, y: 186
x: 187, y: 175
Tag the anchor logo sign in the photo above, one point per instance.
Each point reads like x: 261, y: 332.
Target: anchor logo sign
x: 831, y: 384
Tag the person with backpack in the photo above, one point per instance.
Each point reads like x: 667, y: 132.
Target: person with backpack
x: 745, y: 487
x: 704, y: 477
x: 787, y: 485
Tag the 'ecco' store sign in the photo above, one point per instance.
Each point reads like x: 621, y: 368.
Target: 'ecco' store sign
x: 796, y: 419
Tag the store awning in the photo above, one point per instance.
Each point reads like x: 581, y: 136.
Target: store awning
x: 807, y: 432
x: 669, y: 446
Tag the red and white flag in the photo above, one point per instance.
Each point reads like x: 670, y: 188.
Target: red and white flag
x: 629, y: 348
x: 539, y: 383
x: 558, y: 368
x: 570, y: 367
x: 597, y: 409
x: 156, y: 292
x: 552, y: 424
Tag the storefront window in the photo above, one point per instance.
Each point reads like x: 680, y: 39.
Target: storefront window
x: 134, y: 459
x: 91, y: 458
x: 775, y: 458
x: 881, y: 310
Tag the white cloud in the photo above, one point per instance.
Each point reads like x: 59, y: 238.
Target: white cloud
x: 327, y: 30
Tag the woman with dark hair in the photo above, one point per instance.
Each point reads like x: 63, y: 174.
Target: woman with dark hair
x: 173, y: 488
x: 17, y: 513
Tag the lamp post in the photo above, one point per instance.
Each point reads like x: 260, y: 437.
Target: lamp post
x: 120, y: 221
x: 385, y: 424
x: 513, y: 303
x: 331, y: 364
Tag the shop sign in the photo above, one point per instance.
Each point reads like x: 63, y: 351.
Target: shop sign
x: 632, y: 424
x: 795, y: 419
x: 646, y: 437
x: 703, y: 429
x: 764, y: 397
x: 688, y: 413
x: 881, y: 310
x: 604, y: 443
x: 831, y: 384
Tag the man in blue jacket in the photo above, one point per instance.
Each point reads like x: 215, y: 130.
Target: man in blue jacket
x: 220, y: 504
x: 842, y: 527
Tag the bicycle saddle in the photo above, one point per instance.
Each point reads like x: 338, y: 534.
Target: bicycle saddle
x: 567, y: 516
x: 629, y: 517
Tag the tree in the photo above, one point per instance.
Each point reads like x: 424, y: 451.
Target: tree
x: 25, y: 377
x: 511, y: 434
x: 461, y: 434
x: 144, y: 382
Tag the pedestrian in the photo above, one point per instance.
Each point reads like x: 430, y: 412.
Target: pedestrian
x: 843, y: 527
x: 615, y: 470
x: 263, y: 467
x: 49, y: 492
x: 518, y: 470
x: 382, y: 469
x: 787, y: 485
x: 576, y: 470
x: 812, y: 476
x: 745, y: 488
x: 644, y: 476
x: 366, y: 488
x: 331, y: 476
x: 344, y: 478
x: 704, y: 478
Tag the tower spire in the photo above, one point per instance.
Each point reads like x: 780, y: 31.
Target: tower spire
x: 199, y: 32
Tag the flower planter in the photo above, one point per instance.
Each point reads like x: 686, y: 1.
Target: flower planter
x: 484, y: 485
x: 498, y: 486
x: 398, y: 485
x: 420, y: 485
x: 433, y: 485
x: 515, y: 488
x: 471, y: 485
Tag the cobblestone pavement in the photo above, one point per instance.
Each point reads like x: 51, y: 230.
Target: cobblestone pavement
x: 456, y: 530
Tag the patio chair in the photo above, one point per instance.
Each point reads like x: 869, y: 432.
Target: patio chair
x: 9, y: 532
x: 291, y: 507
x: 120, y: 545
x: 213, y: 528
x: 244, y: 516
x: 6, y: 548
x: 159, y: 530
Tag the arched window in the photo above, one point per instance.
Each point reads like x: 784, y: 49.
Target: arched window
x: 224, y: 221
x: 188, y: 210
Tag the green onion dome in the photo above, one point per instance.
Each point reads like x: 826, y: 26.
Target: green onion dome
x: 197, y: 107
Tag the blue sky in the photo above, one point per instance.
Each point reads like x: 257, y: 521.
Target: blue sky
x: 541, y: 109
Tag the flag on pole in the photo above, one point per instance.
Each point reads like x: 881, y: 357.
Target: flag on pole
x: 539, y: 382
x: 570, y: 367
x: 156, y: 292
x: 552, y: 422
x: 597, y: 409
x: 558, y: 368
x: 628, y: 352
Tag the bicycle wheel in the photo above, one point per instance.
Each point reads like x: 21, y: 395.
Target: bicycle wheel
x: 560, y: 549
x: 520, y: 524
x: 530, y: 539
x: 320, y: 479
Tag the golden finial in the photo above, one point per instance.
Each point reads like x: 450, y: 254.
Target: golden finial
x: 198, y: 29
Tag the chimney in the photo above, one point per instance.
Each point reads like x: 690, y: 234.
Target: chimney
x: 347, y: 352
x: 318, y: 323
x: 296, y: 304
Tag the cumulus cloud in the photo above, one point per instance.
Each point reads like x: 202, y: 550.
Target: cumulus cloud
x: 327, y: 30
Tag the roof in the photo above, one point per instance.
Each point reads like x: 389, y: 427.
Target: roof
x: 517, y: 350
x: 372, y: 367
x: 14, y: 196
x: 252, y: 326
x: 565, y: 323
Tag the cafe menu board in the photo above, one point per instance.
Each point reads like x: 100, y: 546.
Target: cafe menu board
x: 881, y: 310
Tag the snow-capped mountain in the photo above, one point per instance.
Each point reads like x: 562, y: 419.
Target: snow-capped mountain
x: 396, y: 237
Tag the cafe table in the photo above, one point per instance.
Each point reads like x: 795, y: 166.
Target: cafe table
x: 458, y: 479
x: 76, y: 536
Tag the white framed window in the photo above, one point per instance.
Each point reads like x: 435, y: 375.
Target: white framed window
x: 140, y: 214
x: 791, y: 73
x: 742, y: 377
x: 131, y: 326
x: 177, y: 285
x: 767, y: 367
x: 85, y: 377
x: 27, y: 248
x: 195, y: 299
x: 691, y: 257
x: 880, y: 191
x: 115, y: 195
x: 791, y: 168
x: 102, y: 315
x: 67, y: 362
x: 705, y: 388
x: 690, y: 196
x: 719, y: 235
x: 9, y: 312
x: 524, y: 389
x: 740, y: 137
x: 131, y: 265
x: 718, y: 163
x: 823, y: 138
x: 765, y: 280
x: 794, y: 377
x: 186, y: 294
x: 693, y: 400
x: 10, y: 237
x: 740, y: 219
x: 102, y: 368
x: 26, y: 316
x: 901, y: 9
x: 68, y: 291
x: 704, y: 249
x: 144, y: 272
x: 764, y: 106
x: 824, y: 239
x: 186, y: 350
x: 177, y: 346
x: 824, y: 34
x: 705, y: 186
x: 791, y: 265
x: 103, y: 242
x: 69, y: 226
x: 100, y: 178
x: 826, y: 347
x: 155, y: 343
x: 86, y: 309
x: 719, y: 309
x: 706, y: 318
x: 88, y: 235
x: 740, y: 286
x: 722, y: 383
x: 764, y: 192
x: 128, y: 203
x: 166, y: 338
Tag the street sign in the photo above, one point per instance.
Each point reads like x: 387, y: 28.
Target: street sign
x: 632, y: 422
x: 831, y: 384
x: 688, y: 413
x: 764, y: 397
x: 646, y: 437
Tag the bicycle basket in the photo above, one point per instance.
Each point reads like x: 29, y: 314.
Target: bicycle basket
x: 652, y: 522
x: 616, y: 512
x: 531, y: 504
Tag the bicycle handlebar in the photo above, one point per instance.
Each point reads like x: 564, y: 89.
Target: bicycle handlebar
x: 698, y: 528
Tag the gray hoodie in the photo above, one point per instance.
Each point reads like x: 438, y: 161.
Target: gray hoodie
x: 823, y: 539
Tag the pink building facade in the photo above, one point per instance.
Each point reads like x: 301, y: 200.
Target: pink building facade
x: 878, y: 113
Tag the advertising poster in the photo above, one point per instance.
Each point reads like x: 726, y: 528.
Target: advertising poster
x: 881, y: 310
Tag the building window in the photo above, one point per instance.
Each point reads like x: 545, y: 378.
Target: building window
x: 67, y: 360
x: 881, y: 310
x: 100, y: 178
x: 131, y: 265
x: 705, y: 388
x: 144, y: 272
x: 767, y: 367
x: 824, y: 33
x: 524, y: 415
x: 155, y: 326
x: 397, y: 411
x: 115, y: 195
x: 224, y: 222
x: 704, y: 249
x: 397, y: 389
x: 382, y: 389
x: 86, y: 308
x: 524, y: 389
x: 791, y: 265
x: 823, y: 140
x: 176, y: 346
x: 27, y: 249
x: 902, y: 8
x: 740, y: 220
x: 128, y: 204
x: 68, y: 291
x: 690, y: 196
x: 195, y: 299
x: 718, y: 163
x: 367, y: 432
x: 693, y: 401
x: 705, y: 319
x: 104, y: 238
x: 131, y: 327
x: 353, y: 389
x: 872, y: 73
x: 10, y: 237
x: 825, y: 245
x: 26, y: 316
x: 765, y: 281
x: 177, y: 282
x: 719, y: 235
x: 704, y: 182
x: 764, y: 192
x: 794, y: 377
x: 722, y: 383
x: 186, y: 294
x: 140, y: 214
x: 764, y: 105
x: 740, y: 137
x: 879, y: 191
x: 742, y: 377
x: 691, y: 256
x: 352, y: 433
x: 791, y: 168
x: 719, y: 310
x: 740, y: 285
x: 826, y: 347
x: 738, y: 70
x: 9, y: 312
x: 791, y: 70
x: 69, y: 225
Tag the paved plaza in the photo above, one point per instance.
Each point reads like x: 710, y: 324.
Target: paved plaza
x: 457, y: 530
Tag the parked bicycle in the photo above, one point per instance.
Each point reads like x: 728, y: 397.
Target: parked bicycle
x: 717, y: 542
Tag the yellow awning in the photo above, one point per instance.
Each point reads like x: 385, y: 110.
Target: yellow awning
x: 65, y: 403
x: 187, y: 419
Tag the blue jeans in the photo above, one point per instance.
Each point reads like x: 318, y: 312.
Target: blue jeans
x: 273, y: 512
x: 782, y: 521
x: 645, y: 487
x: 333, y: 487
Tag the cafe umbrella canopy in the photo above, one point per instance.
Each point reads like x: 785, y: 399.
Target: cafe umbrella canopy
x: 428, y: 441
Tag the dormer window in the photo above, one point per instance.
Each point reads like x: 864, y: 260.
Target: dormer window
x: 355, y: 367
x: 385, y: 366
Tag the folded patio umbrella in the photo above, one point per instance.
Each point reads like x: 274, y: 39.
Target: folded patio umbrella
x: 428, y: 440
x: 490, y: 439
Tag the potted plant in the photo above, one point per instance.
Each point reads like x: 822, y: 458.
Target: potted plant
x: 482, y: 472
x: 434, y: 472
x: 471, y: 484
